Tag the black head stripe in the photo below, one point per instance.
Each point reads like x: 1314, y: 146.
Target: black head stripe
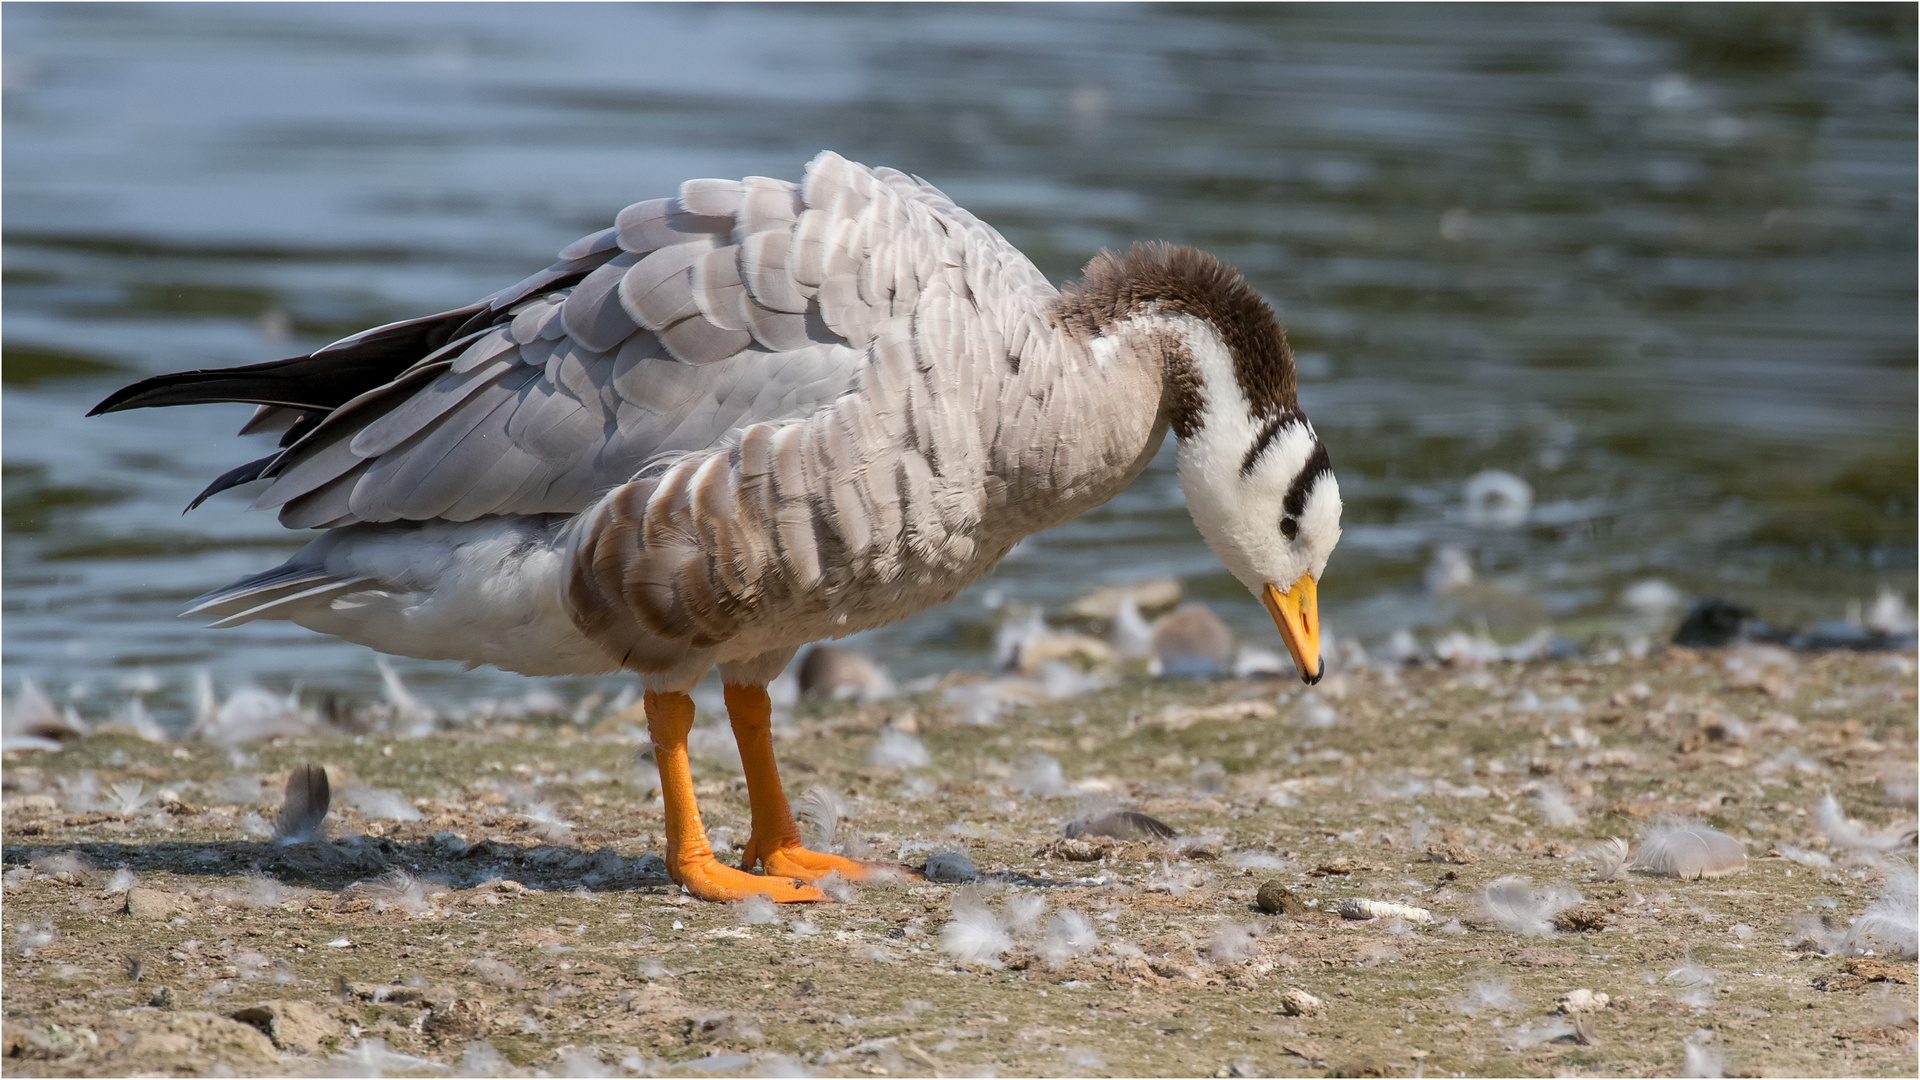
x: 1268, y: 433
x: 1317, y: 466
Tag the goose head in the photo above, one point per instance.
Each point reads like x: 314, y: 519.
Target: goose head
x: 1256, y: 476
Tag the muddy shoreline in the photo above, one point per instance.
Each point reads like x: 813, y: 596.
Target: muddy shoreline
x: 491, y: 897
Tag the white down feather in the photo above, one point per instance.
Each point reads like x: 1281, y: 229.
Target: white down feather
x: 484, y: 592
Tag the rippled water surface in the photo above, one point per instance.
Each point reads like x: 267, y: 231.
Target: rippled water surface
x: 1657, y: 262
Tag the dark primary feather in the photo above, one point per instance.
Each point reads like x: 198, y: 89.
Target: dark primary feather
x: 234, y: 477
x: 326, y: 379
x: 1121, y: 825
x: 330, y: 377
x: 305, y: 810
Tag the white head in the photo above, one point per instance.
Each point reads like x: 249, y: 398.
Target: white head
x: 1258, y: 481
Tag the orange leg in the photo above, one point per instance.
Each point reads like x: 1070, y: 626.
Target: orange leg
x: 775, y: 842
x: 690, y: 858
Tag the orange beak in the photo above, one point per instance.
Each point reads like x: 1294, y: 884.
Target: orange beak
x: 1297, y: 613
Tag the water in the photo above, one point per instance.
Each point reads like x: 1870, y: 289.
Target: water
x: 1657, y: 262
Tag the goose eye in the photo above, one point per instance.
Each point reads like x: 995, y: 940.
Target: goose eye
x: 1289, y: 528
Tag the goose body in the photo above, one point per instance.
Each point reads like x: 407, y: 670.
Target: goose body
x: 753, y: 416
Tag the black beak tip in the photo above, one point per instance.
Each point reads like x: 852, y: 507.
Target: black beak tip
x: 1315, y: 677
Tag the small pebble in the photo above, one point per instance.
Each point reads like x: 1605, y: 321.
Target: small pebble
x: 1297, y: 1002
x: 1583, y: 1001
x: 950, y: 868
x: 1275, y: 898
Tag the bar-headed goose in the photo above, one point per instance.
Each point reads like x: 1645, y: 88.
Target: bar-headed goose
x: 749, y: 417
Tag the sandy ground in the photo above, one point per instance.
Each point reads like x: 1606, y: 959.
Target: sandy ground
x: 491, y: 899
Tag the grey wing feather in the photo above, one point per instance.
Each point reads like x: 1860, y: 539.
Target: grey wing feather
x: 318, y: 463
x: 712, y: 198
x: 763, y: 269
x: 607, y: 239
x: 273, y: 608
x: 255, y: 588
x: 533, y: 285
x: 690, y: 320
x: 777, y: 331
x: 427, y: 477
x: 697, y: 341
x: 593, y: 313
x: 717, y: 289
x: 423, y: 408
x: 659, y: 223
x: 658, y: 291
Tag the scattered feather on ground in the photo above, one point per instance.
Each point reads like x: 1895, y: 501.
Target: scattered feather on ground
x: 756, y: 911
x: 382, y: 803
x: 397, y: 888
x: 819, y: 812
x: 1068, y: 935
x: 129, y: 797
x: 898, y: 750
x: 1687, y: 850
x: 370, y: 1057
x: 1609, y: 857
x: 303, y: 815
x: 1234, y: 941
x: 582, y: 1062
x: 481, y: 1059
x: 1887, y: 926
x: 1703, y: 1056
x: 1484, y: 995
x: 1846, y: 833
x: 1512, y: 904
x: 975, y: 935
x: 1039, y: 776
x: 1540, y: 1032
x: 1084, y: 1060
x: 1556, y: 810
x: 1022, y: 912
x: 497, y: 972
x: 1120, y: 825
x: 1694, y: 984
x: 1816, y: 860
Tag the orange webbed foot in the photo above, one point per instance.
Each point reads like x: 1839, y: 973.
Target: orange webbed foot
x: 710, y: 879
x: 794, y: 861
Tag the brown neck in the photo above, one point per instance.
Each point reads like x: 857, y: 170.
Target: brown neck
x: 1162, y: 278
